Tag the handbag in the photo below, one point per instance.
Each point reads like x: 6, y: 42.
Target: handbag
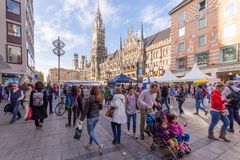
x: 109, y: 112
x: 29, y: 114
x: 78, y: 131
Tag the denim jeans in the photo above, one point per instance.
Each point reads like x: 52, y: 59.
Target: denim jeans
x: 16, y: 110
x: 185, y: 138
x: 215, y: 117
x: 116, y: 128
x: 134, y: 117
x: 180, y: 103
x: 164, y: 100
x: 199, y: 104
x: 233, y: 115
x: 91, y: 124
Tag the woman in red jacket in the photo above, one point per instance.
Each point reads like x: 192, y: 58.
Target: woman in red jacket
x: 218, y: 112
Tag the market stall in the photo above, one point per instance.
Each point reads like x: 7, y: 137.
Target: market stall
x: 168, y: 77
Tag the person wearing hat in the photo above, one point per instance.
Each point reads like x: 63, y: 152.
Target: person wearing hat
x: 16, y: 95
x: 26, y: 99
x: 218, y: 112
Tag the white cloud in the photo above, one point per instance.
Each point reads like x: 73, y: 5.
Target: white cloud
x: 85, y: 11
x: 151, y: 15
x: 45, y: 32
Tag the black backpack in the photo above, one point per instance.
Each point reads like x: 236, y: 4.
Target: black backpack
x: 234, y: 97
x: 8, y: 108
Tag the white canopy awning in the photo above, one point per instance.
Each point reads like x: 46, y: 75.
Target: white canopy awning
x: 195, y: 74
x: 150, y: 80
x: 168, y: 77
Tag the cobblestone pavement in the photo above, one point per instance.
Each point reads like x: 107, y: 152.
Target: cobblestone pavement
x: 21, y: 141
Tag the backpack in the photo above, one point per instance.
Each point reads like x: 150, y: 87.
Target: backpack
x: 234, y: 96
x: 38, y: 99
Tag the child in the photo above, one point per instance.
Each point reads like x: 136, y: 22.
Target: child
x: 176, y: 128
x: 166, y: 134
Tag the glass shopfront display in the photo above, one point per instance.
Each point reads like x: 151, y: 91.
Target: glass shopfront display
x: 202, y: 58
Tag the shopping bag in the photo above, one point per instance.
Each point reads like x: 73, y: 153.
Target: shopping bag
x: 29, y: 114
x: 109, y: 112
x: 205, y: 103
x: 78, y: 131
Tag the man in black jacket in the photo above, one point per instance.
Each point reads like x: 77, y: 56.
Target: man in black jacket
x: 164, y: 96
x: 49, y: 90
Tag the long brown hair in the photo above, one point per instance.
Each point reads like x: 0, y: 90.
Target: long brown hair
x: 96, y: 92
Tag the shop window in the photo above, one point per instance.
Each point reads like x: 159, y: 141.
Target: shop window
x: 229, y: 54
x: 202, y: 59
x: 13, y: 7
x: 229, y: 9
x: 230, y: 31
x: 14, y: 54
x: 13, y: 30
x: 202, y: 23
x: 202, y: 40
x: 181, y: 63
x: 181, y: 47
x: 202, y: 5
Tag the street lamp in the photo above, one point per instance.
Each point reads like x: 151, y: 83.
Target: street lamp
x: 58, y: 50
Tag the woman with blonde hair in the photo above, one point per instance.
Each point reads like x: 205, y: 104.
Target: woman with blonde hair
x: 119, y: 116
x: 91, y: 110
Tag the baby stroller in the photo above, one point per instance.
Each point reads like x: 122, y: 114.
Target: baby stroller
x: 152, y: 123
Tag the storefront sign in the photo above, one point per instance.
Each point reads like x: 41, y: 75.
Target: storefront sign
x: 232, y: 68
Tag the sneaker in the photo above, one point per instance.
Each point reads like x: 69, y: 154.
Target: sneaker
x: 19, y: 117
x: 40, y: 125
x: 100, y: 147
x: 128, y: 132
x: 142, y: 137
x: 196, y: 113
x: 88, y: 146
x: 230, y: 130
x: 114, y: 142
x: 135, y: 136
x: 12, y: 121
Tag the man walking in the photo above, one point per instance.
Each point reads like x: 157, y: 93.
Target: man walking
x: 164, y: 96
x: 15, y: 97
x: 146, y: 101
x: 50, y: 91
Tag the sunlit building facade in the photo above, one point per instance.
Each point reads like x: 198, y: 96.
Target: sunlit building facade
x: 206, y: 32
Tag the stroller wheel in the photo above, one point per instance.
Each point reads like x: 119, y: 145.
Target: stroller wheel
x: 171, y: 158
x: 153, y: 147
x: 180, y: 154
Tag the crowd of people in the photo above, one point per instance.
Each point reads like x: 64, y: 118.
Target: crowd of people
x: 125, y: 102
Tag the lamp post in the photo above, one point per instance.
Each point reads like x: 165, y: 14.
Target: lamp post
x: 58, y: 50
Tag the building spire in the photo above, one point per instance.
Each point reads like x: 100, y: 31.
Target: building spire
x: 142, y: 37
x: 120, y: 42
x: 98, y: 8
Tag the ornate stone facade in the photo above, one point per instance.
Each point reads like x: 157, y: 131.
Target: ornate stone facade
x: 152, y: 53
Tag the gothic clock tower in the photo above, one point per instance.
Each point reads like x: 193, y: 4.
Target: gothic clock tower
x: 98, y: 50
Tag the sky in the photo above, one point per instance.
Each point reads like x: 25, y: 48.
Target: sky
x: 73, y: 20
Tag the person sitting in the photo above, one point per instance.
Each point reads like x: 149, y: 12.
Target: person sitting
x: 177, y: 129
x: 167, y: 134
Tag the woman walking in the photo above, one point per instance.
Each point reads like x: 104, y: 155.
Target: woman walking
x: 38, y: 103
x: 91, y: 111
x: 218, y: 112
x: 26, y: 100
x: 119, y: 115
x: 131, y: 105
x: 180, y: 99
